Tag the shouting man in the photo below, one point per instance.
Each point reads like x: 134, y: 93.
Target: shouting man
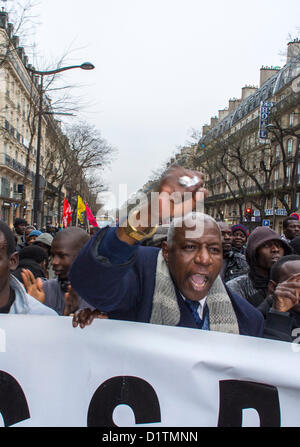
x: 178, y: 285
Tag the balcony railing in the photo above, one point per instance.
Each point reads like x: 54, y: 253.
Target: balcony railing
x: 8, y: 161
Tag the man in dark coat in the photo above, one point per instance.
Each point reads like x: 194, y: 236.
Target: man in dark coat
x: 178, y: 285
x: 57, y: 293
x: 234, y: 263
x: 281, y: 308
x: 264, y: 248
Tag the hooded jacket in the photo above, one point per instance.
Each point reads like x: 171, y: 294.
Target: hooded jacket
x: 253, y: 286
x: 26, y: 304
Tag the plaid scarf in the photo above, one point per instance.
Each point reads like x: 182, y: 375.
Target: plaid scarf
x: 165, y: 309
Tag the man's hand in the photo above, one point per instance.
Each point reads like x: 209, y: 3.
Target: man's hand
x: 172, y: 201
x: 71, y: 301
x: 33, y: 286
x: 287, y: 293
x: 86, y: 316
x: 170, y: 184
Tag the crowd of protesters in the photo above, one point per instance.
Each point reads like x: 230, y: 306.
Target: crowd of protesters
x: 227, y: 278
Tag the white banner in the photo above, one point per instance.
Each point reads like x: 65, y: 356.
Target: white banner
x: 133, y: 374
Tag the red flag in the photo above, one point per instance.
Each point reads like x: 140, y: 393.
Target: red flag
x: 90, y: 216
x: 67, y: 214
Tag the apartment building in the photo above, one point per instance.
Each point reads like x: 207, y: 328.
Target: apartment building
x: 250, y: 150
x: 19, y: 110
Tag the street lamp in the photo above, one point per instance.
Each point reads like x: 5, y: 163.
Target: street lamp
x: 36, y: 201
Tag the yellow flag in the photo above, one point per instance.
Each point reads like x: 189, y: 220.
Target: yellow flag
x: 80, y: 208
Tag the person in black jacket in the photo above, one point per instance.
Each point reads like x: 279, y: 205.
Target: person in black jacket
x: 281, y: 308
x: 234, y: 263
x: 264, y: 248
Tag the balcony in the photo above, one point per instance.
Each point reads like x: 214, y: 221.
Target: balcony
x: 6, y: 160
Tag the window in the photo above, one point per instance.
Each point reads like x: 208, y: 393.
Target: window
x: 288, y: 174
x: 276, y: 175
x: 286, y: 198
x: 290, y: 146
x: 5, y: 187
x: 277, y: 155
x: 291, y: 120
x: 297, y: 200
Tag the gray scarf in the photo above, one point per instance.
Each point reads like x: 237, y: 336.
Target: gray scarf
x: 165, y: 309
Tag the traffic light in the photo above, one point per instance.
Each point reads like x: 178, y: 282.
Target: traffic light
x: 248, y: 213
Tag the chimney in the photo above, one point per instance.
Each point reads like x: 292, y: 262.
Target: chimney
x: 233, y: 104
x: 213, y: 121
x: 222, y: 114
x: 293, y: 49
x: 20, y: 51
x: 10, y: 30
x: 247, y: 91
x: 3, y: 18
x: 205, y: 129
x: 266, y: 73
x: 15, y: 40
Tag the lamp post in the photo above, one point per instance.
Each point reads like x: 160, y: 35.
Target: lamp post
x: 36, y: 200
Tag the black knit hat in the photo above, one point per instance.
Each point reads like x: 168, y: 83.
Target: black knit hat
x: 240, y: 227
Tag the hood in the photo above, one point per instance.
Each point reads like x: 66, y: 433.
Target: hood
x: 257, y: 238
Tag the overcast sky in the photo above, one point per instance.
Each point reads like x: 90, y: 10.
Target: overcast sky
x: 162, y: 66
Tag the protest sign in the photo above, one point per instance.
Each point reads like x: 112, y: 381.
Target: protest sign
x: 117, y: 373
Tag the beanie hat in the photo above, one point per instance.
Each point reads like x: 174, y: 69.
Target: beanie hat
x: 34, y: 233
x: 240, y: 227
x: 44, y: 238
x: 34, y: 253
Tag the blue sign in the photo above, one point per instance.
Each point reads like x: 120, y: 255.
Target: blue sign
x: 266, y: 222
x: 264, y: 119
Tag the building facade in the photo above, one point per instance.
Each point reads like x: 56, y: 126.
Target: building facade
x: 250, y: 151
x: 20, y: 109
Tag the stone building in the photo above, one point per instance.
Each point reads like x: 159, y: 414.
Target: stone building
x: 250, y: 151
x: 19, y: 113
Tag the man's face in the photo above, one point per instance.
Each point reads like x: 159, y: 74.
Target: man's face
x: 194, y: 263
x: 226, y: 236
x: 63, y: 254
x: 7, y: 263
x: 268, y: 253
x: 238, y: 239
x: 293, y: 229
x: 20, y: 228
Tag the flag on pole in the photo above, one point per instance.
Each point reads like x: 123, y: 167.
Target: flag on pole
x: 67, y: 214
x: 90, y: 216
x: 80, y: 208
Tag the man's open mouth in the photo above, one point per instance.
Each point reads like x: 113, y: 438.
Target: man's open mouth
x: 199, y: 281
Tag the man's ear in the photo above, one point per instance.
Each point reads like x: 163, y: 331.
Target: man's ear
x: 271, y: 287
x: 165, y: 251
x: 13, y: 261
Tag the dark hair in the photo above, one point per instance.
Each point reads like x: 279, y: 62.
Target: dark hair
x: 9, y: 237
x: 33, y: 252
x: 287, y: 219
x: 20, y: 221
x: 275, y: 269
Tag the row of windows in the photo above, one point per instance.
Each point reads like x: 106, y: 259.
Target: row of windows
x: 9, y: 189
